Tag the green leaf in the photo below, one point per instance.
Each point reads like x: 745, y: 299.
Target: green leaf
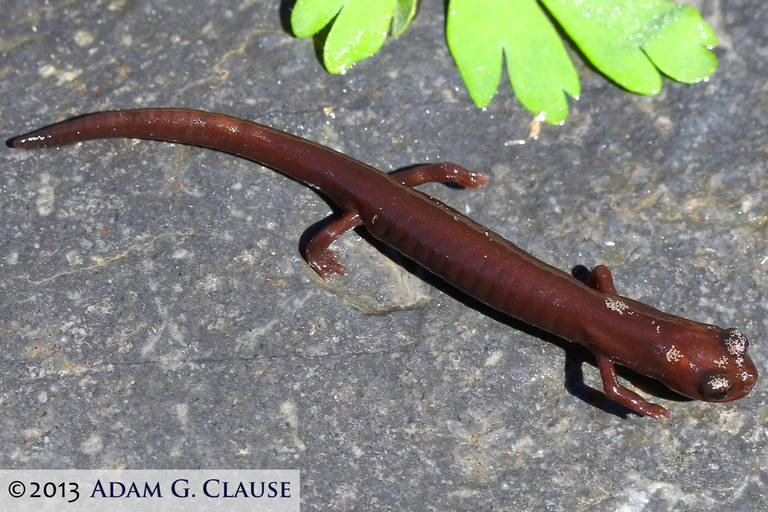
x: 630, y: 41
x: 482, y: 32
x: 627, y: 40
x: 404, y: 13
x: 359, y: 30
x: 310, y: 17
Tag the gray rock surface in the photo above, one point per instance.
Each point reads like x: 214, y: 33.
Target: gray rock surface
x: 156, y: 311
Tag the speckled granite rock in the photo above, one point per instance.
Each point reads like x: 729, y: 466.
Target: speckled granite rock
x: 156, y: 312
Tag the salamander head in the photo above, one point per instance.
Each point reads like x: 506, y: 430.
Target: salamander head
x: 738, y: 374
x: 716, y: 368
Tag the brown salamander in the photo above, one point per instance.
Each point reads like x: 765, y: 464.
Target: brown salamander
x: 698, y: 360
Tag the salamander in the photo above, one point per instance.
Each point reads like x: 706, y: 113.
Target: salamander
x: 700, y: 361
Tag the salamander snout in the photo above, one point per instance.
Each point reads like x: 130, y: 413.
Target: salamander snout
x: 736, y: 375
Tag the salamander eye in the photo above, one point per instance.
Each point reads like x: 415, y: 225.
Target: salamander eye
x: 715, y: 385
x: 735, y: 342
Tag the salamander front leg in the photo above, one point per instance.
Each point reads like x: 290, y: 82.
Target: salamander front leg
x: 317, y: 254
x: 623, y: 395
x: 444, y: 173
x: 601, y: 279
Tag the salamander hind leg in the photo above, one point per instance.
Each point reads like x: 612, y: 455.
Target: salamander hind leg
x: 624, y: 396
x: 444, y: 172
x: 317, y: 254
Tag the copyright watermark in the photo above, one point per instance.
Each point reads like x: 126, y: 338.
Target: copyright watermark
x: 166, y: 490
